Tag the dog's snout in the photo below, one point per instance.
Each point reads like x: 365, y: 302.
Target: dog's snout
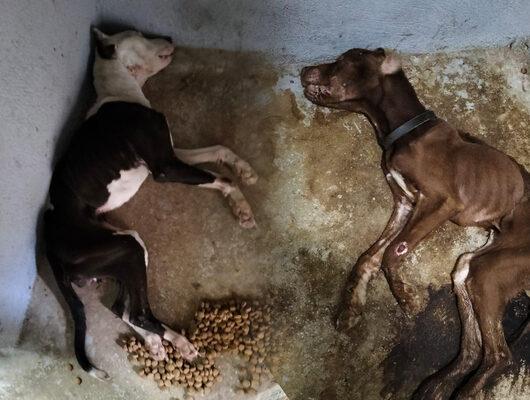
x: 168, y: 39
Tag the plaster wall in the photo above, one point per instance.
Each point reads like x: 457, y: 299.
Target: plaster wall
x: 43, y: 61
x: 312, y: 29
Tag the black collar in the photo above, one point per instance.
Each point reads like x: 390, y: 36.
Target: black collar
x: 407, y: 127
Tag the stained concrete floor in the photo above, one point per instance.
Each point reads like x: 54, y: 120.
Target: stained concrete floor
x: 320, y: 201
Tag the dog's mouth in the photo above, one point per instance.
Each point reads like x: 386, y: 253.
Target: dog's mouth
x: 316, y: 93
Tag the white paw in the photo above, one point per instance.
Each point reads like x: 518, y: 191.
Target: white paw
x: 156, y: 348
x: 99, y: 374
x: 185, y: 348
x: 243, y: 212
x: 245, y: 172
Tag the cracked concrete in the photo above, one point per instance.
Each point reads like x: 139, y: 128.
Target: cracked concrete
x: 320, y: 201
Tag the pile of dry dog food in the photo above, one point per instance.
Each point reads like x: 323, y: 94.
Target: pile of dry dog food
x: 237, y: 327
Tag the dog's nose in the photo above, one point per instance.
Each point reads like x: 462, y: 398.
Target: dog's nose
x: 167, y: 38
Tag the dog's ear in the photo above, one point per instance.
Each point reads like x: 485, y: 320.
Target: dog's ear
x: 391, y: 64
x: 105, y: 49
x: 100, y: 36
x: 379, y: 52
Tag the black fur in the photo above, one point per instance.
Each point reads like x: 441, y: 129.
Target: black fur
x: 79, y: 245
x: 105, y: 50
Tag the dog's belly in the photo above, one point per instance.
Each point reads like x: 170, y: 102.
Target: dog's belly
x: 123, y: 188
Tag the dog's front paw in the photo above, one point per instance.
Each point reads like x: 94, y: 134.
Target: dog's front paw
x: 243, y: 212
x: 245, y: 172
x: 155, y: 347
x: 347, y: 320
x: 409, y: 302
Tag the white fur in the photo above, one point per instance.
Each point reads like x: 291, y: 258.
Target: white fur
x: 220, y: 155
x: 99, y: 374
x: 462, y: 269
x: 123, y: 188
x: 152, y: 341
x: 136, y: 59
x: 183, y: 345
x: 462, y: 266
x: 120, y: 78
x: 398, y: 178
x: 240, y: 207
x: 391, y: 64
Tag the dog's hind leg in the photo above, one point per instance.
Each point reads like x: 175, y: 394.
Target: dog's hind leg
x: 77, y: 311
x: 494, y: 279
x: 123, y: 257
x: 139, y: 316
x: 137, y: 311
x: 118, y: 307
x: 442, y: 384
x: 219, y: 155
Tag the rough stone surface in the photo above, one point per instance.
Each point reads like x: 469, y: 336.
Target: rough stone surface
x: 320, y: 201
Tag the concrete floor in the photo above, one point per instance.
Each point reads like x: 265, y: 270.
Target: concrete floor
x: 320, y: 201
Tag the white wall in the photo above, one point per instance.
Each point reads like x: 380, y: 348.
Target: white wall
x: 44, y: 51
x: 303, y: 30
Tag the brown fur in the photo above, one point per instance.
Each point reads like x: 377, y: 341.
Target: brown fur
x: 436, y: 174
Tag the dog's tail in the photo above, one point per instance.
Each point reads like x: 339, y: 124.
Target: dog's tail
x: 75, y: 305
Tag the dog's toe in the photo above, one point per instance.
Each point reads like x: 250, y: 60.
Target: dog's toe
x: 244, y: 213
x: 185, y: 348
x: 247, y: 175
x: 247, y: 221
x: 249, y: 178
x: 155, y: 347
x: 190, y: 354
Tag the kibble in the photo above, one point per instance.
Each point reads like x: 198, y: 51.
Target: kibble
x: 235, y: 327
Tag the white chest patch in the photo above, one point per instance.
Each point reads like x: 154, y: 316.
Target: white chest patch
x: 123, y: 188
x: 398, y: 178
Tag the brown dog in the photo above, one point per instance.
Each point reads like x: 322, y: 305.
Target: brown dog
x: 436, y: 173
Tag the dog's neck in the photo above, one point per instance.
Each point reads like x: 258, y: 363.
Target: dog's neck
x: 397, y: 105
x: 113, y: 82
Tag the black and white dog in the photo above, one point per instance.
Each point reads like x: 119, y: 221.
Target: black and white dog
x: 120, y: 143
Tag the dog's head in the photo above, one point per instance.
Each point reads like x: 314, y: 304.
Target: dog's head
x: 143, y: 57
x: 353, y: 79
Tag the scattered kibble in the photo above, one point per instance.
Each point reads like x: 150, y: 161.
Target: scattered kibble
x: 78, y: 380
x: 237, y: 327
